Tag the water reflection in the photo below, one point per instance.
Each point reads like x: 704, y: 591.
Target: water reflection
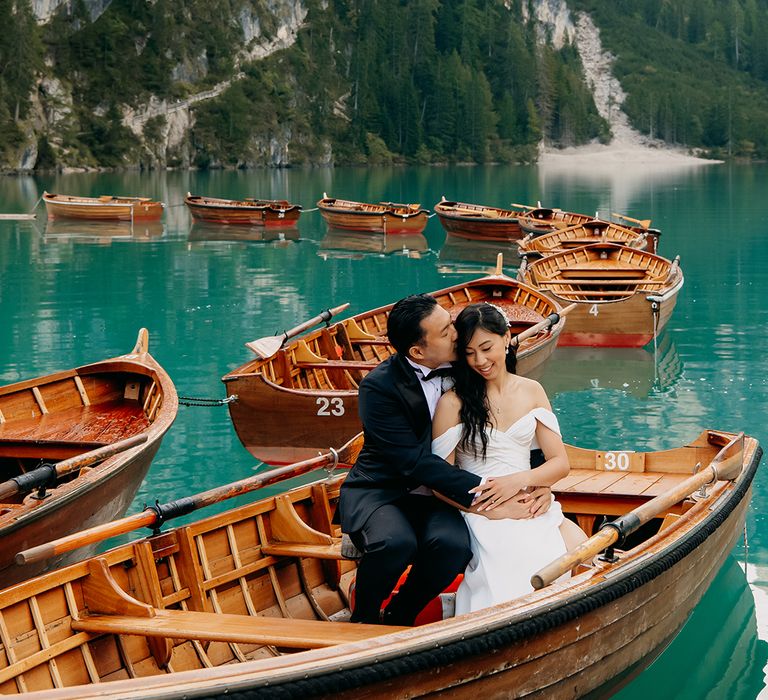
x: 460, y: 255
x: 102, y: 231
x: 201, y: 231
x: 338, y: 243
x: 719, y: 646
x: 636, y: 371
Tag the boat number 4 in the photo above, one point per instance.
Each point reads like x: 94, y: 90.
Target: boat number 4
x: 593, y: 310
x: 330, y: 407
x: 616, y: 460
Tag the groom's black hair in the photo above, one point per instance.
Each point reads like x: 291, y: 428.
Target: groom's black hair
x: 404, y: 323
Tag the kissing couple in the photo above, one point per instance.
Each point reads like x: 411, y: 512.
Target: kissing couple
x: 444, y: 482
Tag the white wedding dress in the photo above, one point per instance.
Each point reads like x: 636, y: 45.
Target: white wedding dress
x: 506, y: 553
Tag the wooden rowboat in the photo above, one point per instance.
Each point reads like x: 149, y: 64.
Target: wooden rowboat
x: 251, y: 212
x: 104, y: 208
x: 594, y: 231
x: 252, y: 602
x: 540, y: 220
x: 624, y: 296
x: 304, y: 396
x: 386, y: 217
x: 76, y: 415
x: 478, y: 221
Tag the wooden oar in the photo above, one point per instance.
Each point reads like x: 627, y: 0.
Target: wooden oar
x: 48, y: 473
x: 266, y: 347
x: 155, y: 516
x: 643, y: 223
x: 726, y: 466
x: 548, y: 322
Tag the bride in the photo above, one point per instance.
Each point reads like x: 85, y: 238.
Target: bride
x: 488, y: 425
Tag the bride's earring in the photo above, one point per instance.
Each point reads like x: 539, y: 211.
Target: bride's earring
x: 507, y: 350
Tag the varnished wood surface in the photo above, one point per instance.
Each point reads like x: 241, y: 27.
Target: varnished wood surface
x: 624, y: 295
x: 66, y: 414
x: 257, y: 212
x: 386, y: 217
x: 105, y: 208
x: 582, y: 234
x: 304, y: 399
x: 127, y: 623
x: 477, y: 221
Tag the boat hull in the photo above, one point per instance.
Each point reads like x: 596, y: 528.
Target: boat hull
x: 278, y: 423
x: 67, y: 415
x: 374, y: 222
x: 487, y: 229
x: 632, y: 323
x: 95, y: 210
x: 581, y: 637
x: 277, y: 215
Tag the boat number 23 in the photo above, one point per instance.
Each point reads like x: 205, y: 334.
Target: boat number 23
x: 330, y: 407
x: 616, y: 460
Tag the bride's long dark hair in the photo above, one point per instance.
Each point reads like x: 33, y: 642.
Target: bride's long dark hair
x: 470, y: 386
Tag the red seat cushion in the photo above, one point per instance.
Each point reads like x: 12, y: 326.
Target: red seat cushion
x: 432, y: 612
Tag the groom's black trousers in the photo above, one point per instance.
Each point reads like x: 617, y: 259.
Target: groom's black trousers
x: 418, y: 530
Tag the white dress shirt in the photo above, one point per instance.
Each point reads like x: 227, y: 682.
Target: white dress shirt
x: 433, y: 389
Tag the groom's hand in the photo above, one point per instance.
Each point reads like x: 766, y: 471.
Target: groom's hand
x: 516, y: 508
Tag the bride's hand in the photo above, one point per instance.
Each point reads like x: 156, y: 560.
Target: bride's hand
x: 517, y: 508
x: 498, y: 490
x: 540, y: 499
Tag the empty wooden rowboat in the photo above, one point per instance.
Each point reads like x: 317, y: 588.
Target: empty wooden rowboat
x: 104, y: 208
x: 594, y: 231
x: 252, y: 602
x: 84, y: 423
x: 291, y: 403
x: 249, y: 212
x: 624, y: 296
x: 385, y: 217
x: 478, y: 221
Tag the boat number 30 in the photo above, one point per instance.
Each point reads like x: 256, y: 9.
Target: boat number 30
x: 593, y: 310
x: 616, y: 460
x: 330, y: 407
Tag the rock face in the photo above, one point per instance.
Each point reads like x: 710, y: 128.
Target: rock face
x: 44, y: 9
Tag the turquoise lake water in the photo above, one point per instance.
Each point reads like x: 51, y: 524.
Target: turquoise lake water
x: 72, y: 294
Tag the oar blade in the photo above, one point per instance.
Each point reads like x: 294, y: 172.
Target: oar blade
x: 265, y: 348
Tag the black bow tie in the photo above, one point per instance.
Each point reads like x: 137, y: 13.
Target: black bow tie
x: 439, y: 372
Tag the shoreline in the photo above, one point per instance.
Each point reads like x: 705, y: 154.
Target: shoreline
x: 619, y: 156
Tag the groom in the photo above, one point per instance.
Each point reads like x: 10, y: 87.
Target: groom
x: 386, y: 505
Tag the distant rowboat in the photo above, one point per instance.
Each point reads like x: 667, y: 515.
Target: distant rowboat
x: 540, y: 220
x: 104, y: 208
x: 385, y: 217
x: 478, y: 221
x: 624, y: 296
x: 593, y: 231
x: 251, y: 212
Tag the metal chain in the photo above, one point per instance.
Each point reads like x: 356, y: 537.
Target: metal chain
x: 195, y: 401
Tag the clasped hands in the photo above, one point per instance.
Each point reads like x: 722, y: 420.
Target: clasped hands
x: 512, y: 496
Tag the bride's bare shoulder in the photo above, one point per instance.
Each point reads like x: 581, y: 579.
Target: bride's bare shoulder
x: 534, y: 391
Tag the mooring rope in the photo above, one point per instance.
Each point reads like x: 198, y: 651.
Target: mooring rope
x: 197, y: 401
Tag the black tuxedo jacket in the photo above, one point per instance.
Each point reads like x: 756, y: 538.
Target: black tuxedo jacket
x: 397, y: 455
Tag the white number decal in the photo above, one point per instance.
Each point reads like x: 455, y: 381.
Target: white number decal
x: 617, y: 460
x: 593, y: 310
x: 330, y: 407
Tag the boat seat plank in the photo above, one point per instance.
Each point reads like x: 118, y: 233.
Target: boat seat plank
x: 296, y: 549
x: 337, y: 364
x: 93, y: 425
x: 240, y: 629
x: 617, y: 483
